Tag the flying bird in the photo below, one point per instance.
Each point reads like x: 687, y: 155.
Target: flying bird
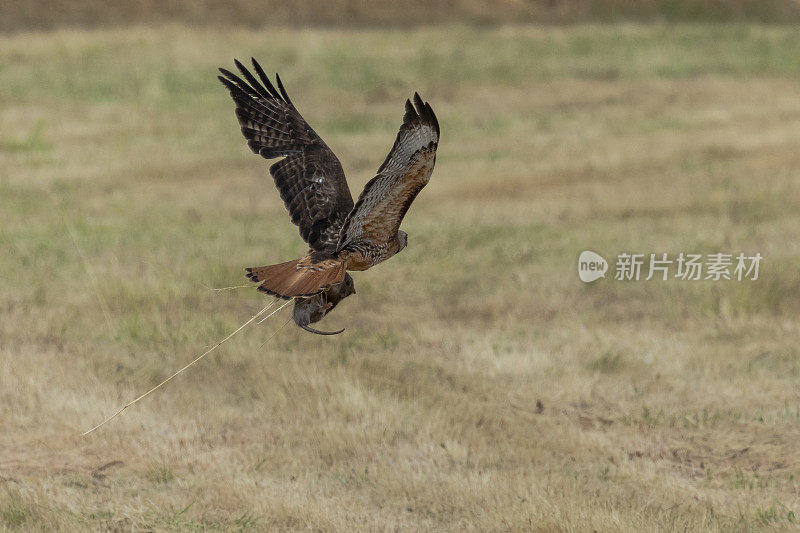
x: 341, y: 234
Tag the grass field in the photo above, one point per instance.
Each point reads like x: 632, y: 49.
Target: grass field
x: 480, y: 384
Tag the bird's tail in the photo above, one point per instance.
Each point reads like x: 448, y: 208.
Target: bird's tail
x: 300, y: 277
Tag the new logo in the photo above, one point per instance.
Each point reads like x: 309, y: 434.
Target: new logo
x: 591, y: 266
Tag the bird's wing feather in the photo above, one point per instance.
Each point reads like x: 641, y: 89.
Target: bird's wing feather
x: 386, y: 198
x: 309, y: 176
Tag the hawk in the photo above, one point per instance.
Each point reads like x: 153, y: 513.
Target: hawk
x: 341, y: 234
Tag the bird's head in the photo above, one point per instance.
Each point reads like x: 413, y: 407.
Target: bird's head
x: 402, y: 238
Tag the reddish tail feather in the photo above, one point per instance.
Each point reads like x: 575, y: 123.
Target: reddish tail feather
x: 297, y: 278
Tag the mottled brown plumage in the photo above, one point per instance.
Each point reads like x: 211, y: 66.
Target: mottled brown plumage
x: 341, y: 235
x: 309, y: 178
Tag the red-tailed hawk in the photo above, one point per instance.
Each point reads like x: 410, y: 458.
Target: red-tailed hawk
x: 342, y: 235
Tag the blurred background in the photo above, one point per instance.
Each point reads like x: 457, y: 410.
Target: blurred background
x: 480, y: 384
x: 40, y: 14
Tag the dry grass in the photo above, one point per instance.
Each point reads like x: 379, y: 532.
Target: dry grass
x: 480, y: 384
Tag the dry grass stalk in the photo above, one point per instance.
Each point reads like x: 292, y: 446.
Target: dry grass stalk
x: 198, y: 358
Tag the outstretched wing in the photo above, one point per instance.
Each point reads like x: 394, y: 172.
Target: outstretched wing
x: 386, y: 197
x: 309, y: 178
